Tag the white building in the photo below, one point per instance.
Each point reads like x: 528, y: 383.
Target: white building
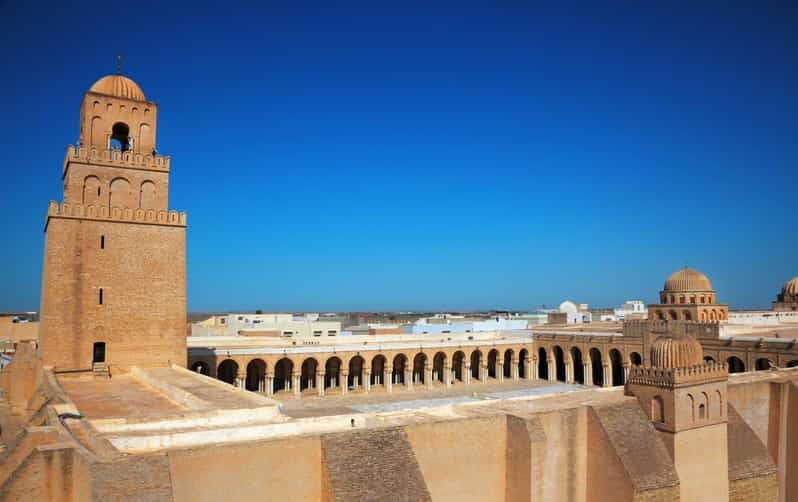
x: 631, y: 309
x: 576, y: 313
x: 272, y: 325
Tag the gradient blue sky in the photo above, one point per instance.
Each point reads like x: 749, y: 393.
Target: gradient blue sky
x: 461, y: 156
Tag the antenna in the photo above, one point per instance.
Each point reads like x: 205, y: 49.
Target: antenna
x: 118, y: 64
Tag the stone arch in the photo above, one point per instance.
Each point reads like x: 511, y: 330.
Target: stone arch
x: 120, y: 137
x: 283, y: 370
x: 458, y: 365
x: 355, y: 378
x: 762, y: 364
x: 691, y: 404
x: 201, y: 367
x: 493, y: 356
x: 559, y: 362
x: 97, y: 134
x: 703, y: 407
x: 119, y: 193
x: 577, y: 366
x: 674, y: 316
x: 419, y: 365
x: 507, y: 369
x: 660, y: 315
x: 476, y: 361
x: 596, y: 366
x: 616, y: 360
x: 658, y: 410
x: 543, y: 364
x: 332, y: 372
x: 686, y: 315
x: 256, y: 375
x: 399, y: 367
x: 309, y: 369
x: 636, y: 359
x: 523, y: 355
x: 439, y: 367
x: 227, y: 371
x: 736, y: 365
x: 703, y: 315
x: 709, y: 359
x: 147, y: 195
x: 720, y: 403
x: 92, y: 191
x: 378, y: 365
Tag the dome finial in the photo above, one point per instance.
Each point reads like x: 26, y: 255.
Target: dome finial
x: 118, y: 64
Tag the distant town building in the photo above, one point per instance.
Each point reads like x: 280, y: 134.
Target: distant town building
x: 575, y: 313
x: 272, y: 325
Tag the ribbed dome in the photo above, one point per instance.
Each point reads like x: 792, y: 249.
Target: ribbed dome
x: 687, y: 279
x: 790, y: 287
x: 117, y: 85
x: 676, y: 351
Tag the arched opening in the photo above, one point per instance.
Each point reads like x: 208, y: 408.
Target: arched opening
x: 793, y: 363
x: 720, y: 403
x: 578, y: 368
x: 378, y: 364
x: 399, y: 365
x: 763, y: 364
x: 660, y: 315
x: 636, y: 359
x: 476, y: 360
x: 227, y: 371
x: 91, y: 190
x: 332, y: 373
x: 201, y: 368
x: 458, y: 365
x: 691, y: 406
x: 596, y: 366
x: 709, y: 359
x: 419, y: 363
x: 617, y: 367
x: 559, y: 363
x: 674, y: 316
x: 543, y: 364
x: 658, y: 410
x: 439, y: 367
x: 508, y: 363
x: 98, y: 352
x: 119, y: 193
x: 120, y: 137
x: 523, y: 355
x: 687, y: 316
x: 703, y: 408
x: 147, y: 195
x: 492, y: 356
x: 355, y: 378
x: 701, y: 411
x: 282, y: 375
x: 736, y: 365
x: 256, y: 375
x: 307, y: 378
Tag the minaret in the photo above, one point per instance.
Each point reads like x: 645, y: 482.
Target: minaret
x: 685, y: 398
x: 113, y: 279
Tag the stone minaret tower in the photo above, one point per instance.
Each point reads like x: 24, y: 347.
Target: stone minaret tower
x: 685, y: 398
x: 114, y: 279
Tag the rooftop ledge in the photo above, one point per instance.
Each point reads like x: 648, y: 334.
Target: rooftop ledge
x: 116, y: 158
x: 127, y: 215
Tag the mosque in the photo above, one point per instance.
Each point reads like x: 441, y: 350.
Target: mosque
x: 114, y: 404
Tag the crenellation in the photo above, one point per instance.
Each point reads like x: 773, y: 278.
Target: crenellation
x: 116, y: 158
x: 91, y: 212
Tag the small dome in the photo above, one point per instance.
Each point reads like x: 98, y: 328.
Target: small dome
x: 117, y: 85
x: 687, y: 279
x: 790, y: 287
x: 676, y: 351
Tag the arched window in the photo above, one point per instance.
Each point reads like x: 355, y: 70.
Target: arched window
x: 691, y: 405
x: 147, y: 195
x: 701, y: 411
x: 674, y: 315
x: 120, y: 137
x: 736, y: 365
x: 636, y: 359
x: 91, y: 190
x: 657, y: 410
x: 120, y: 192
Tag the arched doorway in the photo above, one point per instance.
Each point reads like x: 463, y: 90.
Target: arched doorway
x: 636, y: 359
x: 307, y: 379
x: 399, y: 365
x: 355, y: 378
x: 227, y: 371
x: 559, y: 363
x: 256, y: 375
x: 578, y: 368
x: 736, y: 365
x: 763, y: 364
x: 201, y: 367
x: 378, y: 370
x: 492, y: 356
x: 617, y: 367
x: 543, y: 364
x: 458, y: 365
x: 419, y: 363
x: 476, y: 361
x: 332, y: 370
x: 523, y: 355
x: 439, y: 367
x: 508, y: 363
x: 596, y: 366
x: 282, y: 375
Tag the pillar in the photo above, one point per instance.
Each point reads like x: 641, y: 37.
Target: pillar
x: 428, y: 377
x: 295, y: 377
x: 626, y: 373
x: 388, y: 379
x: 484, y: 373
x: 241, y: 381
x: 467, y: 374
x: 320, y: 384
x: 531, y: 368
x: 447, y: 376
x: 587, y: 371
x: 607, y: 376
x: 345, y: 381
x: 367, y: 380
x: 269, y: 384
x: 569, y: 372
x: 514, y: 369
x: 409, y: 377
x: 552, y: 370
x: 500, y: 371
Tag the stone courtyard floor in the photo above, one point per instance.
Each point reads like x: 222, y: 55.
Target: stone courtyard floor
x: 311, y: 405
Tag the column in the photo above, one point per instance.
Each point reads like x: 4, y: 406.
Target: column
x: 500, y: 371
x: 569, y: 372
x: 626, y: 373
x: 428, y: 377
x: 607, y: 376
x: 447, y: 376
x: 409, y: 378
x: 344, y: 381
x: 367, y: 380
x: 552, y: 370
x: 269, y: 384
x: 388, y: 379
x: 241, y: 381
x: 320, y: 384
x: 467, y: 374
x: 295, y: 377
x: 484, y: 373
x: 587, y: 371
x: 514, y: 369
x: 532, y: 368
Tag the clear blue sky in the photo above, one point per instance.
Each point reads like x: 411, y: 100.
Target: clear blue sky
x: 461, y: 156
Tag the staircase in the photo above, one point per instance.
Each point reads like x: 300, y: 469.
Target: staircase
x: 100, y: 370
